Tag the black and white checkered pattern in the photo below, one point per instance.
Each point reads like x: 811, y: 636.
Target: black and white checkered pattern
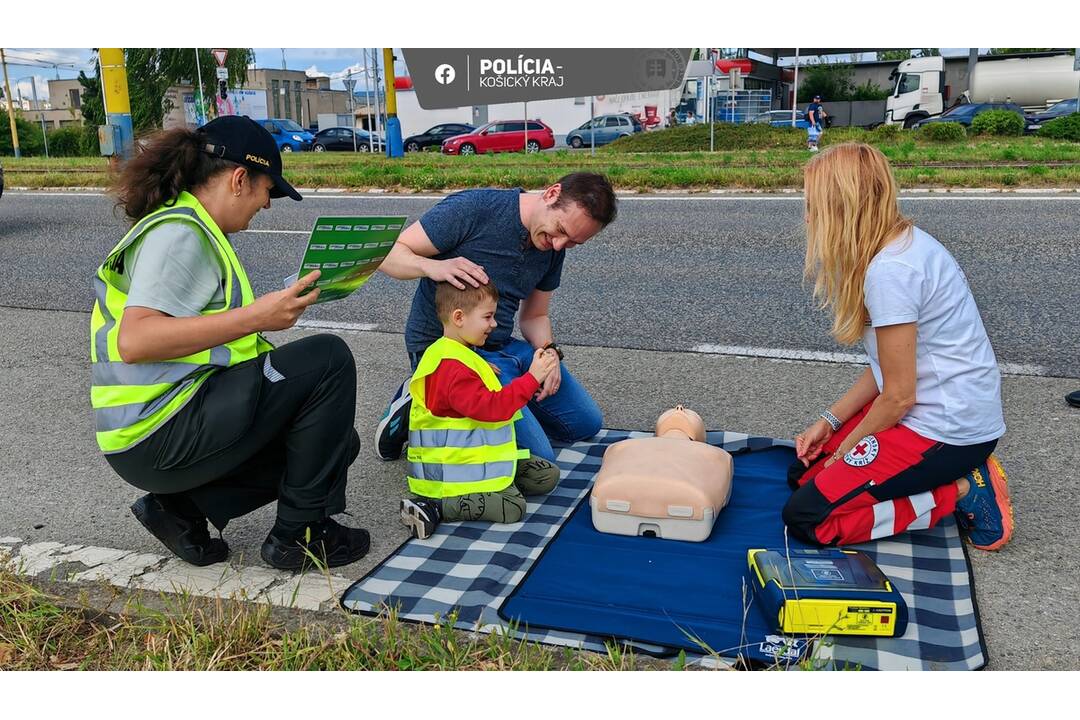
x: 471, y: 568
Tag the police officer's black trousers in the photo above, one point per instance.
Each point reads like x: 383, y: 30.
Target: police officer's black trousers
x: 279, y: 427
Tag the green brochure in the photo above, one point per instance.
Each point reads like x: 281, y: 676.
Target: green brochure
x: 348, y: 251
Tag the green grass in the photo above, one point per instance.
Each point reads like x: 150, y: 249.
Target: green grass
x: 186, y: 633
x: 750, y: 157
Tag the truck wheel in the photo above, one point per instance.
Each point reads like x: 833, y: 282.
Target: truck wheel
x: 910, y: 120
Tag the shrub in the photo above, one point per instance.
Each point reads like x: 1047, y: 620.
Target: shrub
x: 942, y: 132
x: 998, y: 122
x: 1062, y: 128
x: 66, y: 142
x: 31, y: 141
x: 88, y: 142
x: 886, y: 133
x: 752, y: 136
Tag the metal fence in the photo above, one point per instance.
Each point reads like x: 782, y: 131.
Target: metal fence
x: 740, y: 106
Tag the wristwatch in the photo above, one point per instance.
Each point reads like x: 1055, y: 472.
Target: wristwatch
x: 556, y: 348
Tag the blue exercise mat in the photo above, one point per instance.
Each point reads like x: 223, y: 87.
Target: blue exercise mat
x: 688, y: 595
x: 468, y: 570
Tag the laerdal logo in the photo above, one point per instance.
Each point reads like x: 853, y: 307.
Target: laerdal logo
x: 255, y: 158
x: 445, y: 74
x: 520, y: 72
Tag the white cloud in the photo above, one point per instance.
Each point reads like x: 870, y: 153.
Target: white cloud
x: 23, y: 86
x: 314, y: 71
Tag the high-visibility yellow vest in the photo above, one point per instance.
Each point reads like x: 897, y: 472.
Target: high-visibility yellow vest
x: 131, y: 400
x: 456, y: 456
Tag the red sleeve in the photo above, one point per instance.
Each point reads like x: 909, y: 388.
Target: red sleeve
x: 454, y: 390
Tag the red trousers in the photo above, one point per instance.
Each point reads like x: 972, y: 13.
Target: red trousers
x: 891, y: 481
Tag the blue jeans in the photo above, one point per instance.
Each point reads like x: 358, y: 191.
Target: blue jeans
x: 570, y: 415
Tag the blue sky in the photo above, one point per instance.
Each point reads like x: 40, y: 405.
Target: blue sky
x: 47, y: 63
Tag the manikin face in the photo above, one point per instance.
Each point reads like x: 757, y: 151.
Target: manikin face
x: 475, y: 325
x: 679, y: 418
x: 559, y: 228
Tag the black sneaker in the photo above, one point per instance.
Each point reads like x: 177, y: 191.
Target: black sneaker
x: 421, y: 516
x: 328, y: 542
x: 1073, y: 398
x: 393, y: 430
x: 186, y: 537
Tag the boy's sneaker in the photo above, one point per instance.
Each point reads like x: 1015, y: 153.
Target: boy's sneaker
x: 328, y: 542
x: 393, y: 430
x: 986, y: 512
x: 185, y: 536
x: 421, y: 516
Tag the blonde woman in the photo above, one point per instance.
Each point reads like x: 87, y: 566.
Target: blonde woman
x: 911, y: 441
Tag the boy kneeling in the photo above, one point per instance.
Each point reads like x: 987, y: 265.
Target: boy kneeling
x: 464, y: 462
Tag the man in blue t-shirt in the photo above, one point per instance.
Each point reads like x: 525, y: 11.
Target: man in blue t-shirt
x: 815, y: 114
x: 516, y: 240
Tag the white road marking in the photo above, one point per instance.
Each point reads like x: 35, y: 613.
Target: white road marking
x: 836, y: 357
x: 335, y: 325
x: 147, y: 571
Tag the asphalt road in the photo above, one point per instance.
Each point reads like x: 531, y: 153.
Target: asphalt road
x: 669, y: 274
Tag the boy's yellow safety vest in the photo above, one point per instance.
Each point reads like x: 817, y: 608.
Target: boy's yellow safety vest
x: 131, y: 401
x: 456, y: 456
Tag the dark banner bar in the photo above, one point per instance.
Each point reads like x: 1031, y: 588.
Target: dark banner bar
x: 458, y: 78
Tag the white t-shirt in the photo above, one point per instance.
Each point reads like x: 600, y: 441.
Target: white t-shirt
x: 958, y: 384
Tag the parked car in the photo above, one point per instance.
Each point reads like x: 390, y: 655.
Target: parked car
x: 434, y: 137
x: 1037, y: 120
x: 967, y: 112
x: 288, y: 135
x: 782, y: 118
x: 502, y: 136
x: 341, y: 138
x: 600, y: 130
x: 638, y: 127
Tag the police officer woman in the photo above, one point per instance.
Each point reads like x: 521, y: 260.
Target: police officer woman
x: 191, y: 403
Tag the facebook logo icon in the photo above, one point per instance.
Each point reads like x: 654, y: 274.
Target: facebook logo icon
x: 445, y: 74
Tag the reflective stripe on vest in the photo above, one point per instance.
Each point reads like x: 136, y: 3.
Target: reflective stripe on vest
x: 456, y: 456
x: 131, y: 400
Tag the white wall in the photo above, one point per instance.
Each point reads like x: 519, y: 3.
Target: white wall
x: 561, y: 115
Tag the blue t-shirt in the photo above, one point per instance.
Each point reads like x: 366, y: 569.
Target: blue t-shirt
x: 816, y: 109
x: 485, y: 227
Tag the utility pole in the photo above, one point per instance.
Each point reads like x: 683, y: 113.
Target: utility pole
x: 393, y: 125
x: 41, y: 114
x: 10, y: 108
x: 201, y: 107
x: 118, y: 108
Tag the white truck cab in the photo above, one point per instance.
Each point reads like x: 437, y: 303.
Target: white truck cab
x: 918, y: 90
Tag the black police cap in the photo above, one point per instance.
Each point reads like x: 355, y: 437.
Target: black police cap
x: 242, y: 140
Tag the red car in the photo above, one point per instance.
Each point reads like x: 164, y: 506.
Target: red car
x: 502, y: 136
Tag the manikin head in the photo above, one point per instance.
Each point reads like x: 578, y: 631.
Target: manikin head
x: 679, y: 421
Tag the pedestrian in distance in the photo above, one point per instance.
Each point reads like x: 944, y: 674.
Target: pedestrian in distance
x: 910, y: 442
x: 464, y: 460
x: 192, y: 404
x: 815, y: 116
x: 517, y: 240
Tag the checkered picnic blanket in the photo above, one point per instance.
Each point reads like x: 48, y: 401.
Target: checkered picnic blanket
x: 471, y: 568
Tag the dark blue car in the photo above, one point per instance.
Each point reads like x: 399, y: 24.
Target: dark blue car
x: 1061, y: 109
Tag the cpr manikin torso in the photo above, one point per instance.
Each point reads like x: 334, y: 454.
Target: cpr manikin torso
x: 672, y: 485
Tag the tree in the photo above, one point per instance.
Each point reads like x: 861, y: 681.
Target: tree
x: 30, y: 140
x: 152, y: 71
x: 907, y: 54
x: 1009, y: 51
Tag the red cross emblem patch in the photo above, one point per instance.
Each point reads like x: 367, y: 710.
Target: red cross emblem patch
x: 863, y: 453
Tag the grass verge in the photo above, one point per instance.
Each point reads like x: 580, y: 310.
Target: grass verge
x: 748, y: 158
x: 39, y: 631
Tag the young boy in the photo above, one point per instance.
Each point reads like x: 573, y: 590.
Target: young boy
x: 464, y: 462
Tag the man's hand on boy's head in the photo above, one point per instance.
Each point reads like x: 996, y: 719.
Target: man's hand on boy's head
x: 457, y: 271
